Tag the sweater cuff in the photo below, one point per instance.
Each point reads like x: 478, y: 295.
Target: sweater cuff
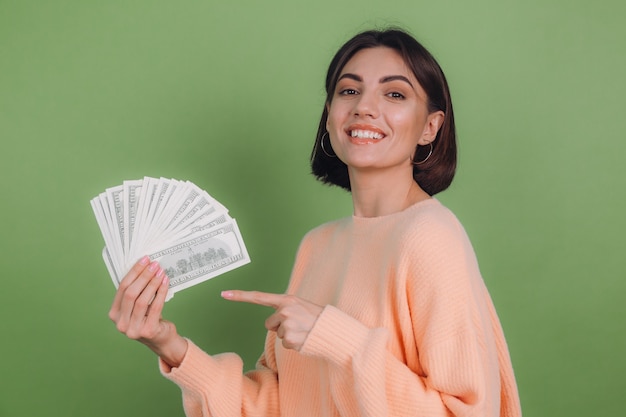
x: 199, y: 369
x: 336, y: 337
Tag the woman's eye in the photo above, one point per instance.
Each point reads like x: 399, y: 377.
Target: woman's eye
x: 347, y: 92
x: 396, y: 95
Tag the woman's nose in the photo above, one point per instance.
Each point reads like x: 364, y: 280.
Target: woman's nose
x: 366, y: 106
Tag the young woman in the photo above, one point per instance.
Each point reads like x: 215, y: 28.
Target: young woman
x: 386, y: 313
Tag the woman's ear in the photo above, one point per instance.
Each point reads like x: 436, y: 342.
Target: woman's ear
x: 432, y: 126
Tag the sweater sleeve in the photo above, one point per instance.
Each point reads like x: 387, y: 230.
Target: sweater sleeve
x: 216, y: 386
x: 458, y: 371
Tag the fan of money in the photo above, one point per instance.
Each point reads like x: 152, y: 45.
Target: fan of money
x: 173, y: 222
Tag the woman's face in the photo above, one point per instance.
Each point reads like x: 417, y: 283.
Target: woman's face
x: 378, y: 113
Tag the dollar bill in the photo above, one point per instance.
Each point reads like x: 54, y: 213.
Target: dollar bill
x: 202, y: 257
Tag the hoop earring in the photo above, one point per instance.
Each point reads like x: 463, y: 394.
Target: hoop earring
x: 430, y: 152
x: 322, y: 146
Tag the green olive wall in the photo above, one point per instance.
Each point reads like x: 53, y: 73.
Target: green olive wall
x: 228, y: 95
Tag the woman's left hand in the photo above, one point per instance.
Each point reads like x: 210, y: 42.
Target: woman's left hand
x: 293, y: 319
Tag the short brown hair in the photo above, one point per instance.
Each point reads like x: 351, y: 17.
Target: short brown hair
x: 437, y: 172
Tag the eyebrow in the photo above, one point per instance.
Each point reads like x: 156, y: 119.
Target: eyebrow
x: 386, y: 79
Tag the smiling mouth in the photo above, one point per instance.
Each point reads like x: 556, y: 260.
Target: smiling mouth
x: 365, y: 134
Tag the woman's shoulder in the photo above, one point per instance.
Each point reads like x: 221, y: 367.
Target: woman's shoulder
x: 319, y: 237
x: 327, y: 229
x: 429, y: 217
x: 430, y: 227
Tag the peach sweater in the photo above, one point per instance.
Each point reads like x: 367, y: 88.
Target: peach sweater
x: 408, y: 329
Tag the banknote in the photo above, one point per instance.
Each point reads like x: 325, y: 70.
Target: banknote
x: 176, y: 223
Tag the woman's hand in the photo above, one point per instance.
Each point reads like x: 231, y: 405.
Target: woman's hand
x: 293, y: 319
x: 137, y: 307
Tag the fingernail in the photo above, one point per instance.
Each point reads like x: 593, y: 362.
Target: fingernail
x: 144, y: 260
x: 165, y: 281
x: 227, y: 294
x: 160, y: 273
x: 153, y: 266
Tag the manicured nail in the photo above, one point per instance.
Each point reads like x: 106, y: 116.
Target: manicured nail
x: 165, y: 281
x: 227, y: 294
x: 144, y: 260
x: 160, y: 273
x: 153, y: 266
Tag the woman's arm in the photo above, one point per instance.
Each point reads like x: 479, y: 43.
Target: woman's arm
x: 214, y: 385
x: 211, y: 385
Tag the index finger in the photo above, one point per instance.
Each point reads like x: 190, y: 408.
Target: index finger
x: 255, y: 297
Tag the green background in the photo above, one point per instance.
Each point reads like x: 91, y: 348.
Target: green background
x: 227, y: 95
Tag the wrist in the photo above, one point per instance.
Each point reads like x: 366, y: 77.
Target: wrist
x: 173, y: 353
x: 170, y: 347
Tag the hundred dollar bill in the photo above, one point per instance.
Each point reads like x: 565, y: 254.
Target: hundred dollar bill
x: 131, y: 192
x: 202, y: 257
x: 100, y: 207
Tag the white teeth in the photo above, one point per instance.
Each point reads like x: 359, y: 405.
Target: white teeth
x: 365, y: 134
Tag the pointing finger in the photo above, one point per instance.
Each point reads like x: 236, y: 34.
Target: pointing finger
x: 255, y: 297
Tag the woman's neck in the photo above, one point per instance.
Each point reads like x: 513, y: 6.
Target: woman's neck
x: 377, y: 194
